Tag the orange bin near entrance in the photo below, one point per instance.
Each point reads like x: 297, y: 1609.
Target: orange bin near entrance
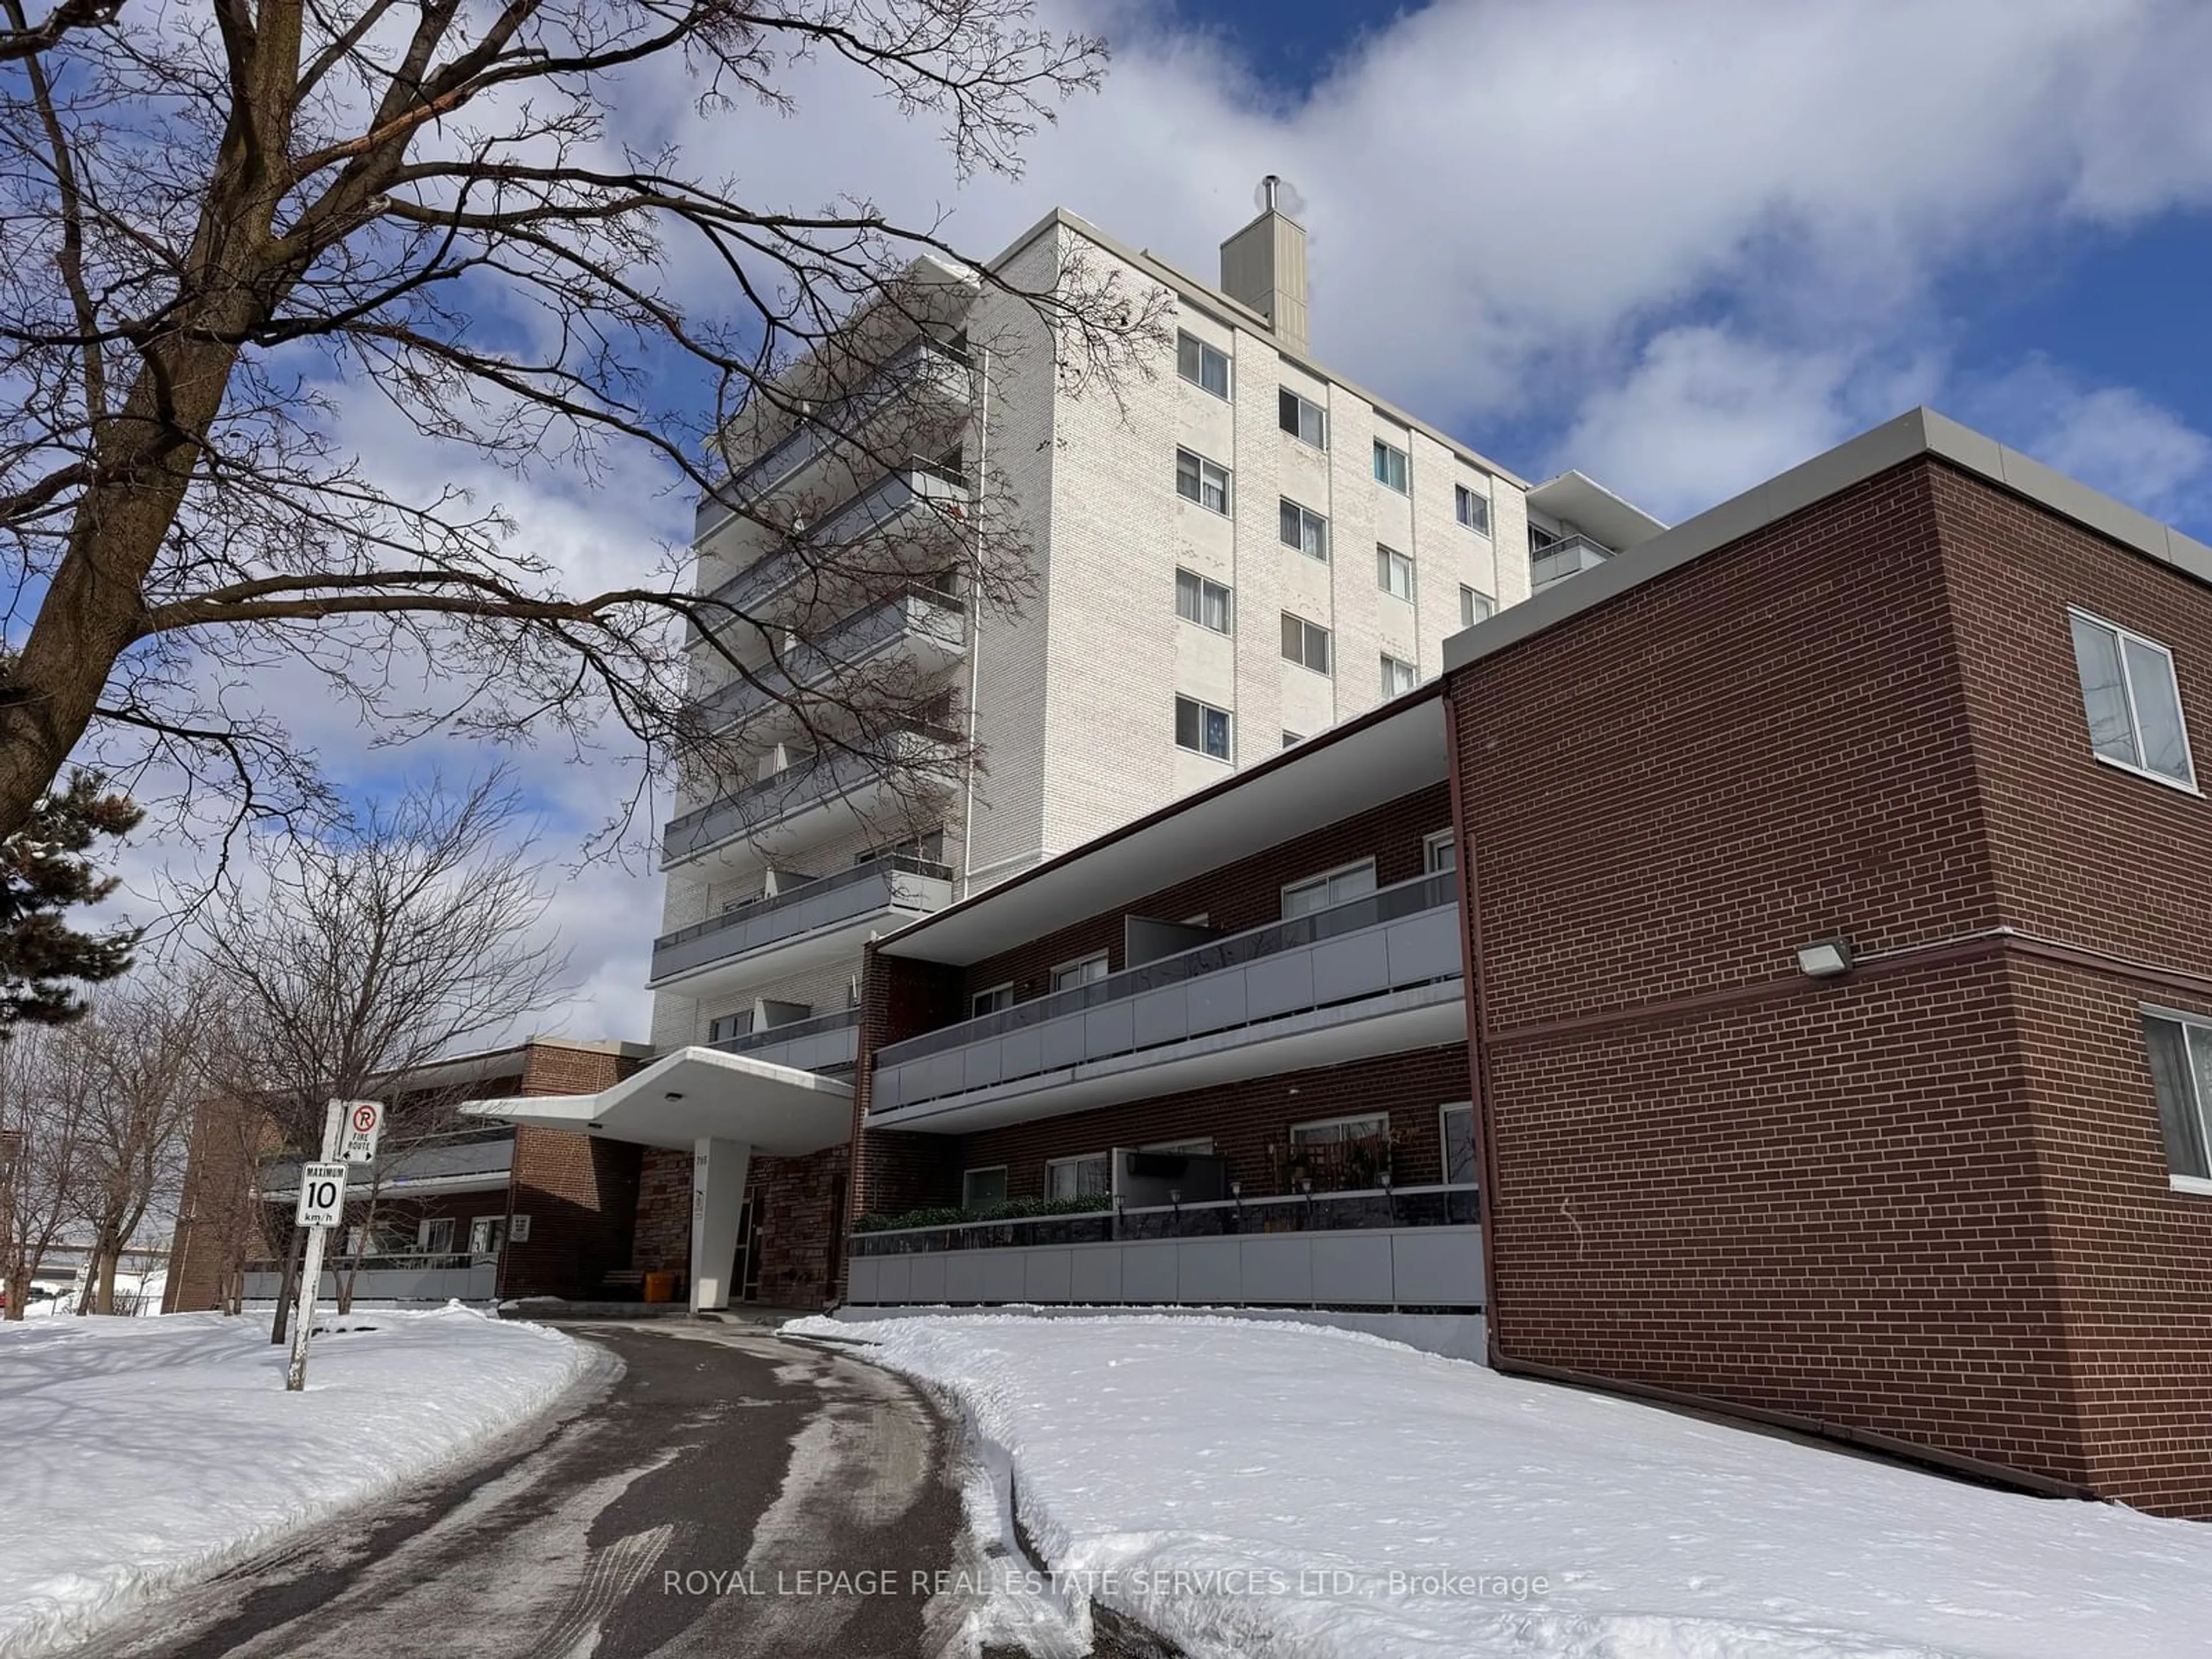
x: 660, y: 1287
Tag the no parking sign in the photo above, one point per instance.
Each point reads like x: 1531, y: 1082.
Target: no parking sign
x: 364, y: 1123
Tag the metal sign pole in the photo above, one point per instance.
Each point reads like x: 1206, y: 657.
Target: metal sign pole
x: 311, y: 1271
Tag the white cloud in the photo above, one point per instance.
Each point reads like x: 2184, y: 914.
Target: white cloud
x: 2111, y: 437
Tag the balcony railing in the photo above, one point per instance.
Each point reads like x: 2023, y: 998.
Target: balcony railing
x: 766, y: 801
x: 917, y: 612
x: 1409, y: 898
x: 1450, y: 1206
x: 1417, y: 1250
x: 922, y: 363
x: 872, y: 509
x: 1562, y: 559
x: 402, y: 1276
x: 826, y: 1042
x: 918, y: 885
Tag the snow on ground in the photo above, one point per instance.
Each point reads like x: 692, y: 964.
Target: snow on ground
x: 137, y: 1453
x: 1251, y: 1489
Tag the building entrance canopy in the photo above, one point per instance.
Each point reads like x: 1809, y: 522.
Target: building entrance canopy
x: 695, y: 1095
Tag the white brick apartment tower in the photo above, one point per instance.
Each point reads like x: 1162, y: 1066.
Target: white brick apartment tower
x: 1230, y: 548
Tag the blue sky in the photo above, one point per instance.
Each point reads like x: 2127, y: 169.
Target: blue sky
x: 2114, y: 305
x: 1681, y: 246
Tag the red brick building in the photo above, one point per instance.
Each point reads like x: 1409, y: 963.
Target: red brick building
x: 461, y: 1206
x: 1918, y: 695
x: 1831, y: 987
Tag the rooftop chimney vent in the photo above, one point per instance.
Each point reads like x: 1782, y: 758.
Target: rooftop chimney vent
x: 1264, y: 264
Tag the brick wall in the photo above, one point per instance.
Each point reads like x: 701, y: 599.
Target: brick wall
x: 661, y: 1239
x: 2133, y: 1257
x: 578, y: 1191
x: 2114, y: 867
x: 1928, y: 1202
x: 798, y: 1211
x: 218, y: 1228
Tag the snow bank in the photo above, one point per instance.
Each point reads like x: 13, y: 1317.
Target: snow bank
x: 1263, y: 1489
x: 136, y: 1454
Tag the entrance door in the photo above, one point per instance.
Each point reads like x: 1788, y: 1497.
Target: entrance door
x: 745, y: 1274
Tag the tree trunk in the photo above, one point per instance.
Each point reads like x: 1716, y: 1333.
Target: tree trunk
x: 19, y: 1285
x: 103, y: 1295
x: 289, y: 1289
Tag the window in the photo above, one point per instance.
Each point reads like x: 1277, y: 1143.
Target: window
x: 1305, y: 530
x: 1201, y: 726
x: 730, y: 1026
x: 484, y: 1234
x: 1331, y: 1130
x: 980, y: 1190
x: 1199, y: 1148
x: 1079, y: 1177
x: 1459, y: 1143
x: 2132, y: 700
x: 1201, y: 364
x: 990, y: 1001
x: 1069, y: 974
x: 1397, y: 677
x: 1303, y: 898
x: 435, y: 1236
x: 1292, y: 739
x: 1472, y: 509
x: 1304, y: 420
x: 1390, y: 466
x: 2181, y: 1076
x: 1474, y: 607
x: 1305, y: 643
x: 1203, y: 602
x: 1540, y: 538
x: 1394, y: 572
x: 1439, y: 852
x: 1199, y: 480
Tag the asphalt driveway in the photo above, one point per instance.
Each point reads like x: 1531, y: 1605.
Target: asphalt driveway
x: 717, y: 1491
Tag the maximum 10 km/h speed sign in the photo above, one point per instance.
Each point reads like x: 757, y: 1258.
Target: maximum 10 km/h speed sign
x: 322, y: 1194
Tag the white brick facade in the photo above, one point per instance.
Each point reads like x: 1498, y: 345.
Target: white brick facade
x: 1073, y: 702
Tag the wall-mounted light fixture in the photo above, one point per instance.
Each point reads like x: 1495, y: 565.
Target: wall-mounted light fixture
x: 1825, y: 959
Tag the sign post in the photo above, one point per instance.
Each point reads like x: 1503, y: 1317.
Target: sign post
x: 348, y: 1125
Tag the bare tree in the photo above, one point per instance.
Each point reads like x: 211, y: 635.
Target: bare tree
x: 361, y: 957
x: 44, y: 1098
x: 210, y: 216
x: 141, y: 1050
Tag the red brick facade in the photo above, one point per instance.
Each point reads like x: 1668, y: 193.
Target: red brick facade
x: 1929, y: 1200
x: 899, y: 1170
x: 661, y: 1242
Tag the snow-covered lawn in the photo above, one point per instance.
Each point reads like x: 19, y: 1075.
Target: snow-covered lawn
x: 136, y: 1454
x: 1287, y: 1473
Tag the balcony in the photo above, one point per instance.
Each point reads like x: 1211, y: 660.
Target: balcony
x: 1377, y: 974
x: 473, y: 1160
x: 920, y: 627
x: 921, y: 502
x: 411, y: 1276
x: 925, y: 372
x: 1562, y: 559
x: 817, y: 921
x: 826, y: 1042
x: 791, y: 810
x: 1416, y: 1247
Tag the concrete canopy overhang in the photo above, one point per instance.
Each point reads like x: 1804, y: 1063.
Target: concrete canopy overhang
x: 695, y: 1095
